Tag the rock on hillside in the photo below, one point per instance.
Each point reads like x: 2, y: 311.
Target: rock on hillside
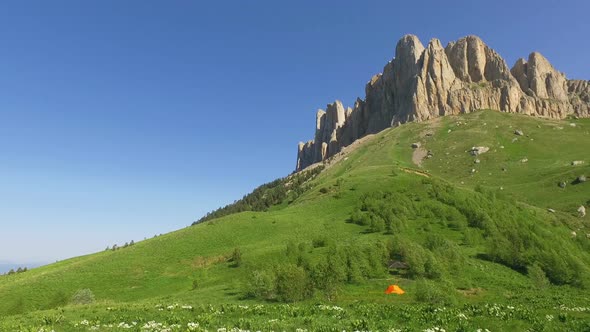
x: 421, y: 83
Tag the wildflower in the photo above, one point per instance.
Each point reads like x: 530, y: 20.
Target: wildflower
x: 435, y: 329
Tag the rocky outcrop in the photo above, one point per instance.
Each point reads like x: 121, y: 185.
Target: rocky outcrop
x: 579, y: 94
x: 421, y: 83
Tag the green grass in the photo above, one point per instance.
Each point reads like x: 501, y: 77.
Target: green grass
x: 446, y: 199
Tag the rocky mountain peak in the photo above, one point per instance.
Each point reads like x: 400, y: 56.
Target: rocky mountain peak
x: 421, y: 83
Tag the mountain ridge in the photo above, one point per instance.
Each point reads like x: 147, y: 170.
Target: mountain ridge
x: 422, y: 83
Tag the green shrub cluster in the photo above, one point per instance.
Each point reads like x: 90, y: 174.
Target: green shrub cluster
x: 518, y: 237
x: 305, y: 273
x: 509, y: 234
x: 391, y: 211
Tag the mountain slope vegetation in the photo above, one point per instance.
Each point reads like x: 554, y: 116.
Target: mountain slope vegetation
x: 472, y: 234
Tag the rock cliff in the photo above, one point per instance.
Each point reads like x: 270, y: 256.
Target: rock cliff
x: 421, y: 83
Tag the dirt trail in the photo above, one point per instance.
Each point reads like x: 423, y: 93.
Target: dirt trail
x: 415, y: 171
x: 420, y: 153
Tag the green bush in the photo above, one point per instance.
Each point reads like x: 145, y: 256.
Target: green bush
x: 427, y: 291
x: 320, y: 241
x: 291, y: 282
x: 83, y: 296
x: 262, y: 285
x: 236, y: 257
x: 377, y: 224
x: 537, y: 275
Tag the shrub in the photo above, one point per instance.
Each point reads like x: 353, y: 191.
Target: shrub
x: 236, y: 257
x: 537, y: 275
x: 319, y: 242
x: 433, y: 269
x: 376, y: 224
x: 290, y: 283
x: 83, y: 296
x: 429, y: 292
x: 262, y: 285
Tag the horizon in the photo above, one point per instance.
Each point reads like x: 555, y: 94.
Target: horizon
x: 120, y: 131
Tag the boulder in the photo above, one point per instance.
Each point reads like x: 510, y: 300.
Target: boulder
x: 477, y: 150
x: 416, y: 145
x: 582, y: 211
x: 577, y: 162
x: 562, y: 184
x: 518, y: 132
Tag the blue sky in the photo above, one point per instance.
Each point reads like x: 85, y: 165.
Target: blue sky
x: 124, y: 119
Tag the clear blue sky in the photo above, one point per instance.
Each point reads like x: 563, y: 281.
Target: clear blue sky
x: 123, y: 119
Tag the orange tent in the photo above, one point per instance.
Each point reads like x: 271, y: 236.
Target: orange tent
x: 394, y: 289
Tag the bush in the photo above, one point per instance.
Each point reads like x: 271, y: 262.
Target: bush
x: 429, y: 292
x: 319, y: 242
x: 262, y: 285
x: 83, y: 296
x: 537, y: 275
x: 236, y: 257
x: 377, y: 224
x: 290, y: 283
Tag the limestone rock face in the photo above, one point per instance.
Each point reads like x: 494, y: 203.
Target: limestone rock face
x: 421, y: 83
x: 538, y: 78
x: 474, y: 61
x: 579, y: 95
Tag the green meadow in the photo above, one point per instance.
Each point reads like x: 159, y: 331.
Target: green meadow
x: 478, y: 242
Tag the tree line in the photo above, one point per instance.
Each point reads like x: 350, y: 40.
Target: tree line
x: 267, y: 195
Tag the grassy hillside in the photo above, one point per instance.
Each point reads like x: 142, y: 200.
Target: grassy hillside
x: 473, y: 238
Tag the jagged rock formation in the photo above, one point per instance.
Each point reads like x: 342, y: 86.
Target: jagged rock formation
x: 421, y: 83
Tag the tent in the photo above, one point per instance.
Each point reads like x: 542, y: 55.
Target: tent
x: 394, y: 289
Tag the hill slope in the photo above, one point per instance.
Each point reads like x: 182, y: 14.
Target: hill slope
x: 449, y: 231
